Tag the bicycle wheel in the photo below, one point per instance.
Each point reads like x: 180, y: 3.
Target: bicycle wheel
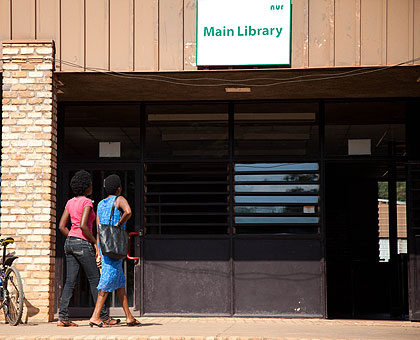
x: 13, y: 296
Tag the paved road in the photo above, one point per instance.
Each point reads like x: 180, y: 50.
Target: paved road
x: 221, y: 329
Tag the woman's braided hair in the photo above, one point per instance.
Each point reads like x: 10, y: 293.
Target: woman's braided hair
x: 80, y: 182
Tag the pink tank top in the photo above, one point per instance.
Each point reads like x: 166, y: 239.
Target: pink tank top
x: 75, y: 208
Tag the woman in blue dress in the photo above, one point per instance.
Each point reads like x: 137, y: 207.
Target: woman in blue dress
x: 112, y: 274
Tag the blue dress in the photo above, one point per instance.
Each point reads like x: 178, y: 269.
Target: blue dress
x: 112, y: 274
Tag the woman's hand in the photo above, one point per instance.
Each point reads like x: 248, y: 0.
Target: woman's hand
x: 98, y: 259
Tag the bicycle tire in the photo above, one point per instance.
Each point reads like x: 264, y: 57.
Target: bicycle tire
x: 13, y: 296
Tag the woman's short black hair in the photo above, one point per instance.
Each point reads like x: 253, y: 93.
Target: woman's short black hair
x: 80, y: 182
x: 111, y: 184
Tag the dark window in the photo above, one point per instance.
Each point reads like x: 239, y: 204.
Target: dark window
x: 381, y: 124
x: 185, y: 198
x: 276, y: 129
x: 86, y: 126
x: 276, y: 198
x: 187, y: 131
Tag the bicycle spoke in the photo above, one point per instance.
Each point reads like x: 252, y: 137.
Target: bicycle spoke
x: 13, y: 299
x: 15, y: 288
x: 12, y: 309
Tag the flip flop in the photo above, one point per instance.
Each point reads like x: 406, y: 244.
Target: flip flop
x: 66, y: 323
x: 110, y: 322
x: 101, y: 324
x: 133, y: 323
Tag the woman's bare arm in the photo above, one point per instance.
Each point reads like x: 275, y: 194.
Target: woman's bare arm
x: 123, y: 205
x: 97, y: 232
x: 63, y: 223
x: 98, y: 254
x: 84, y: 226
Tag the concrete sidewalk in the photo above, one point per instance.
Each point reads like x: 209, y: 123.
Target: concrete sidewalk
x: 170, y: 328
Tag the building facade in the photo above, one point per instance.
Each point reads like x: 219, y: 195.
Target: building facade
x: 254, y: 188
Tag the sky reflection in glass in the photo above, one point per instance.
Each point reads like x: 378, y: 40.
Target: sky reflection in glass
x: 275, y: 219
x: 276, y: 188
x: 276, y: 199
x: 277, y: 167
x: 278, y: 178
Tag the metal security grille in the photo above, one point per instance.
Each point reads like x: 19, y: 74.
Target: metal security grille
x: 186, y: 198
x: 276, y: 198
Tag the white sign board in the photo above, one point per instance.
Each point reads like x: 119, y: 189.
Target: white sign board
x: 109, y: 149
x: 359, y: 146
x: 243, y: 32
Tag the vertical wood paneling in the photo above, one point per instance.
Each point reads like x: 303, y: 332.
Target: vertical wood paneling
x: 23, y: 19
x: 300, y: 33
x: 416, y: 29
x: 358, y: 28
x: 190, y: 26
x: 121, y: 35
x: 97, y: 34
x: 397, y: 32
x: 48, y: 24
x: 5, y: 20
x: 73, y: 34
x: 151, y: 35
x: 171, y: 33
x: 146, y: 35
x: 371, y: 32
x: 384, y: 30
x: 347, y: 39
x: 411, y: 30
x: 4, y: 24
x: 321, y: 33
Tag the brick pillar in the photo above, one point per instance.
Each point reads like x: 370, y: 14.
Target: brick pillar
x: 28, y: 173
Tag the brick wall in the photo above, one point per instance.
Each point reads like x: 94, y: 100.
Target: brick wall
x: 28, y: 173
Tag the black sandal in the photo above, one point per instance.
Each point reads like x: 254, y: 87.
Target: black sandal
x: 101, y: 324
x: 108, y: 322
x: 133, y: 323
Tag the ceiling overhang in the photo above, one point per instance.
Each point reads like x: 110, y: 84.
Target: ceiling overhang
x: 288, y: 84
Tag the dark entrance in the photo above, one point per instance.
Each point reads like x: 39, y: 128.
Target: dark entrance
x: 366, y: 254
x: 82, y: 303
x: 81, y: 128
x: 367, y: 277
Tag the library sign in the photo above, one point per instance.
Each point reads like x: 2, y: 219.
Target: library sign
x: 243, y: 32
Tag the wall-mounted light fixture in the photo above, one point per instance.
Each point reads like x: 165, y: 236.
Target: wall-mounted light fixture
x: 237, y: 89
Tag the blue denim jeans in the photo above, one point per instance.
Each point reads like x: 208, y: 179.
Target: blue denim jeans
x: 79, y: 252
